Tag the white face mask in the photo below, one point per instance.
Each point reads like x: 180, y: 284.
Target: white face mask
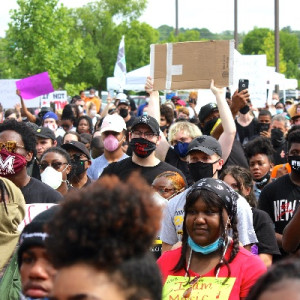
x: 274, y: 102
x: 52, y: 177
x: 53, y: 127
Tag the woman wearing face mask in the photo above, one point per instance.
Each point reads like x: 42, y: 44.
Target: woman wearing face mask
x: 55, y: 166
x: 91, y: 112
x: 240, y: 180
x: 209, y: 258
x: 12, y: 210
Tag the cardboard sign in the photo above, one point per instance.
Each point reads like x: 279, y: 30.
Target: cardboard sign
x: 34, y: 86
x: 205, y: 288
x: 192, y: 65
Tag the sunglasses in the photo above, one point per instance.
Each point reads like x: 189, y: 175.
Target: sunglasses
x: 10, y: 146
x: 55, y: 165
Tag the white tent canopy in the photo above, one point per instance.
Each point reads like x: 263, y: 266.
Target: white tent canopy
x: 135, y: 80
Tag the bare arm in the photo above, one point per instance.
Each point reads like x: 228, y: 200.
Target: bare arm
x: 266, y: 258
x: 26, y: 112
x: 106, y: 108
x: 239, y: 100
x: 291, y: 235
x: 154, y: 111
x: 227, y: 137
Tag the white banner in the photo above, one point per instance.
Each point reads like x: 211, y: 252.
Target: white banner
x: 9, y: 98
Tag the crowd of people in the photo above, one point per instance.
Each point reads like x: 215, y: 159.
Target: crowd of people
x: 155, y: 202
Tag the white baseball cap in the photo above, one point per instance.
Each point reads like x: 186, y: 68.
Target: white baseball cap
x: 113, y: 122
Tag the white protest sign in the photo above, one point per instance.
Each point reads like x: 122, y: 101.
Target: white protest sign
x: 253, y: 68
x: 60, y: 98
x: 32, y: 210
x: 9, y: 98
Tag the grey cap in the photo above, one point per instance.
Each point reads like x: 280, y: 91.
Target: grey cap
x: 206, y: 144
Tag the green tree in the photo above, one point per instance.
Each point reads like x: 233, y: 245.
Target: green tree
x: 39, y: 40
x: 261, y: 41
x: 253, y: 41
x: 95, y: 23
x: 164, y: 32
x: 138, y: 38
x: 268, y: 48
x: 184, y: 36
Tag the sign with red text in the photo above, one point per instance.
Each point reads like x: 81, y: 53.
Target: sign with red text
x: 205, y: 288
x: 59, y: 98
x: 33, y: 210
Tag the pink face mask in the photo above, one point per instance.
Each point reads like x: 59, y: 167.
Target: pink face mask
x: 111, y: 143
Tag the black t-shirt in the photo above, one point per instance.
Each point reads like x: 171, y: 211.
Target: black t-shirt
x: 38, y: 192
x: 280, y: 199
x: 125, y: 167
x: 280, y: 155
x: 237, y: 156
x: 264, y: 229
x: 173, y: 159
x: 246, y: 133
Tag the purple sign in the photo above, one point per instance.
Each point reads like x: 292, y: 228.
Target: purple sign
x: 34, y: 86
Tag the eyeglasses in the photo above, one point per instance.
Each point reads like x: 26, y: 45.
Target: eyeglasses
x: 10, y: 146
x: 147, y: 135
x: 188, y: 291
x: 55, y: 165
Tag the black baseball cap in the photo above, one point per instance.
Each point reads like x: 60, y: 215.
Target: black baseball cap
x: 77, y: 146
x: 45, y: 133
x: 148, y: 120
x: 206, y: 110
x: 206, y: 144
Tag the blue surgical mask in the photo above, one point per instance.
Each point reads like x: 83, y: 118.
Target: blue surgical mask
x: 279, y: 110
x: 181, y: 149
x: 206, y: 249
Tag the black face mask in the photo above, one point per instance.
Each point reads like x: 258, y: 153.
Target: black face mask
x: 277, y: 137
x: 245, y: 109
x: 294, y: 162
x: 142, y: 147
x: 123, y: 112
x: 260, y: 183
x: 201, y: 170
x: 163, y: 128
x: 209, y: 126
x: 78, y: 166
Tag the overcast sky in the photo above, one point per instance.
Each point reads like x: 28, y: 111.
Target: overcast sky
x: 215, y: 15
